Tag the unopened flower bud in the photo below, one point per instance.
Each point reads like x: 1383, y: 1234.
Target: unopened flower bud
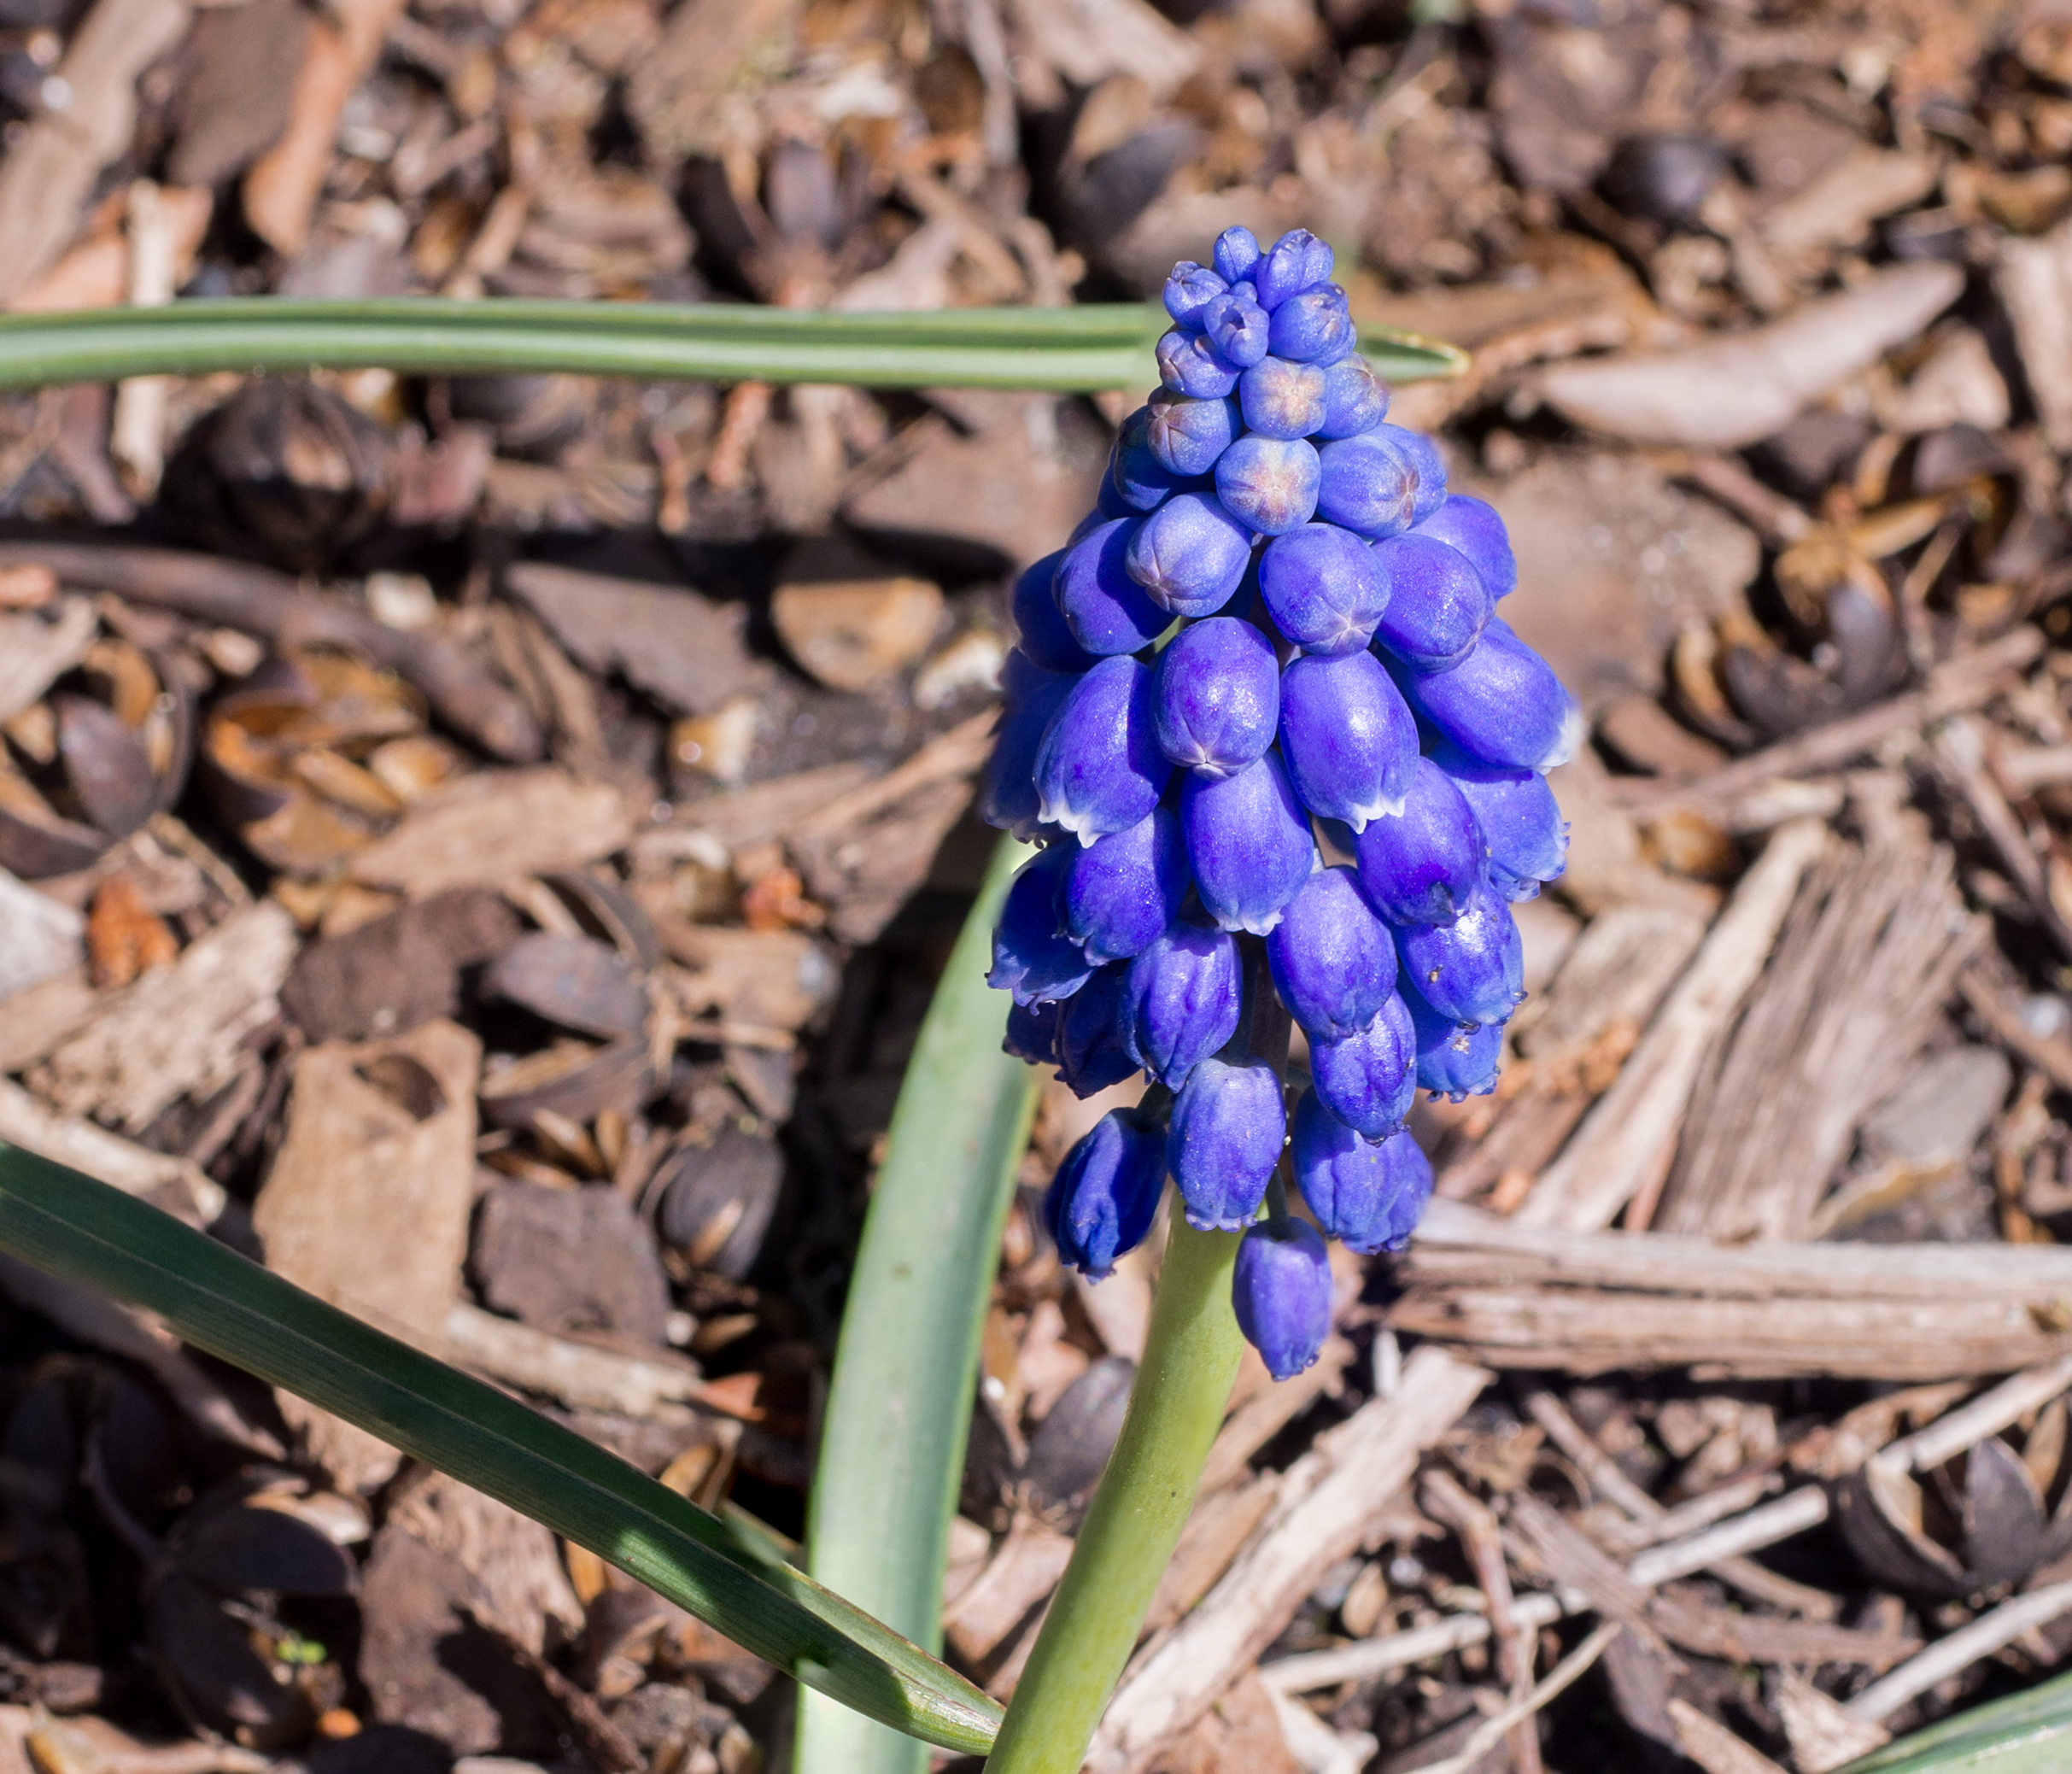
x: 1189, y: 364
x: 1298, y: 262
x: 1236, y: 255
x: 1268, y: 483
x: 1032, y: 1034
x: 1189, y: 289
x: 1238, y: 327
x: 1107, y: 611
x: 1248, y: 842
x: 1367, y: 483
x: 1281, y: 1289
x: 1136, y: 470
x: 1102, y: 1201
x: 1228, y: 1125
x: 1313, y: 327
x: 1324, y: 588
x: 1355, y: 398
x: 1187, y: 435
x: 1189, y: 555
x: 1281, y: 398
x: 1029, y: 698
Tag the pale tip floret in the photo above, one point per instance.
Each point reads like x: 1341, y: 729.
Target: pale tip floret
x: 1574, y: 730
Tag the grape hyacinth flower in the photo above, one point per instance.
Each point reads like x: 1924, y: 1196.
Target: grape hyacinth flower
x: 1278, y: 625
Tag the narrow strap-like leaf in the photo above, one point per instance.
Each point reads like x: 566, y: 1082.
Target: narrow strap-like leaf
x: 1097, y: 346
x: 2026, y: 1733
x: 83, y: 1231
x: 892, y: 1447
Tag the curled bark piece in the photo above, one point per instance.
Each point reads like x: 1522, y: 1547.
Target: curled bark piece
x: 1735, y: 390
x: 279, y: 611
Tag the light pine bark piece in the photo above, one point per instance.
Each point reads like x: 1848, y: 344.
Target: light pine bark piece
x: 494, y: 827
x: 1626, y: 1142
x: 178, y: 1031
x: 2034, y: 280
x: 367, y: 1204
x: 49, y: 170
x: 1328, y: 1501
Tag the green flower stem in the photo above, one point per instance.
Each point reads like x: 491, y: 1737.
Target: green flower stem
x: 1176, y: 1407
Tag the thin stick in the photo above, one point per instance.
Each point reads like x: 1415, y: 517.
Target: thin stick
x: 1491, y: 1730
x: 1483, y: 1541
x: 1372, y: 1657
x: 1987, y: 1414
x: 1950, y: 1656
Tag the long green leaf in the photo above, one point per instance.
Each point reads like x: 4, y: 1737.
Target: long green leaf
x: 2026, y: 1733
x: 891, y: 1448
x: 1098, y: 346
x: 72, y: 1226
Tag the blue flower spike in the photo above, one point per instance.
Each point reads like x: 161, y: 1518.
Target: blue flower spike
x: 1277, y: 621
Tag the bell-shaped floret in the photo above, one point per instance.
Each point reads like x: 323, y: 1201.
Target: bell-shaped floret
x: 1366, y: 1194
x: 1029, y: 698
x: 1098, y: 769
x: 1030, y: 957
x: 1313, y: 327
x: 1347, y: 738
x: 1248, y: 843
x: 1422, y: 865
x: 1228, y: 1125
x: 1101, y: 1204
x: 1471, y: 525
x: 1523, y: 832
x: 1429, y: 467
x: 1040, y: 624
x: 1119, y: 895
x: 1452, y: 1059
x: 1184, y: 993
x: 1281, y: 1290
x: 1094, y: 1044
x: 1189, y: 555
x: 1217, y: 697
x: 1333, y: 961
x: 1472, y: 970
x: 1268, y: 483
x: 1365, y: 1078
x: 1324, y: 588
x: 1106, y: 610
x: 1187, y: 435
x: 1503, y: 704
x: 1281, y: 398
x: 1355, y: 398
x: 1031, y: 1032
